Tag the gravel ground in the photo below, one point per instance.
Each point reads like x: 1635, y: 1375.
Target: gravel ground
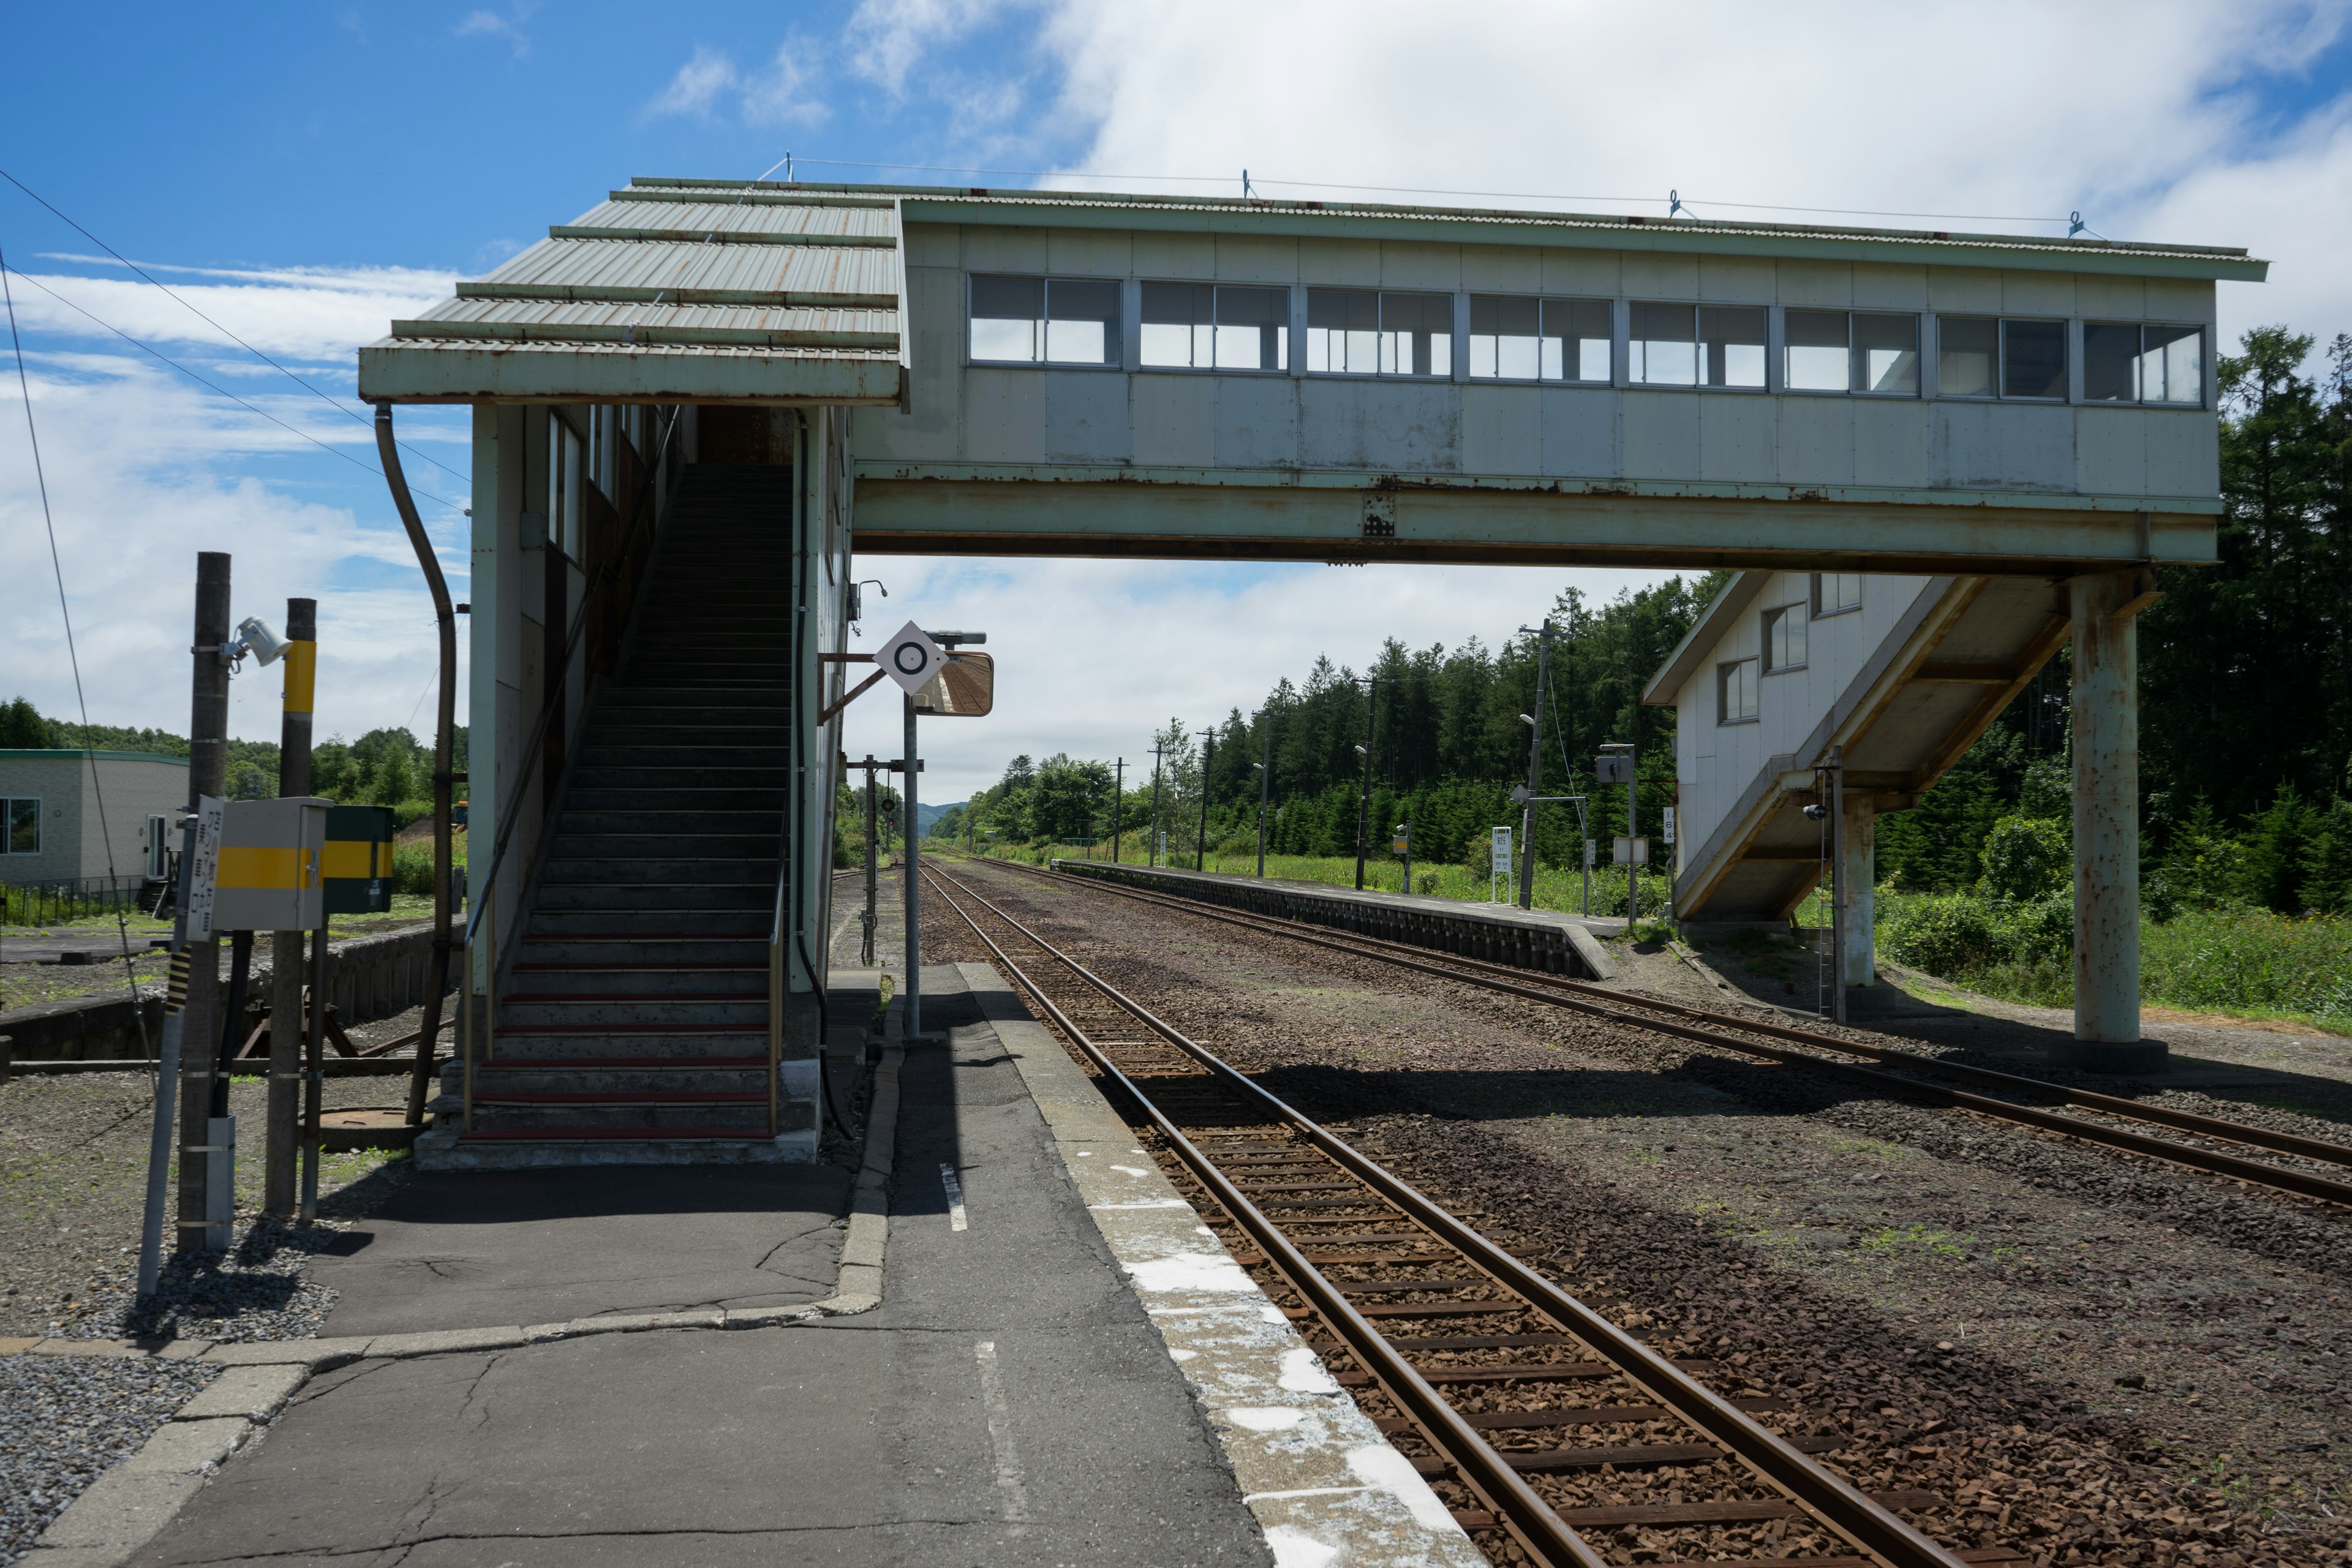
x: 2138, y: 1363
x: 63, y: 1419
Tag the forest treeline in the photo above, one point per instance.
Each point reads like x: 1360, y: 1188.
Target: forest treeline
x: 2245, y: 710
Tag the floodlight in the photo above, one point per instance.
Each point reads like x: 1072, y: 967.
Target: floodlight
x: 1816, y: 811
x: 1528, y: 720
x: 253, y: 637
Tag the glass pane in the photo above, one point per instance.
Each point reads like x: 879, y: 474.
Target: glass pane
x: 1171, y: 312
x: 1816, y: 359
x: 1252, y: 329
x: 1964, y: 356
x: 1417, y: 334
x: 24, y: 828
x: 1664, y: 350
x: 1082, y: 320
x: 1585, y: 328
x: 2033, y: 359
x: 1008, y: 318
x: 2173, y: 367
x: 1734, y: 339
x: 1784, y: 636
x: 1836, y: 590
x: 1886, y: 355
x: 1343, y: 328
x: 1506, y: 338
x: 2111, y: 362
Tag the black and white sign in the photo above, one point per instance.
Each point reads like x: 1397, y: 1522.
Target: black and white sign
x: 203, y: 873
x: 910, y: 657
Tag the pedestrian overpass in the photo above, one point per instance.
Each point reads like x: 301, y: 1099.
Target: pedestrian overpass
x: 802, y: 371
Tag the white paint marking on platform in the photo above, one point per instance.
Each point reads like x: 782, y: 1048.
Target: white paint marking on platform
x: 1132, y: 1170
x: 1297, y: 1549
x: 1381, y: 1466
x: 1190, y: 1271
x: 1000, y: 1434
x: 957, y: 1219
x: 1302, y: 1373
x: 1266, y: 1418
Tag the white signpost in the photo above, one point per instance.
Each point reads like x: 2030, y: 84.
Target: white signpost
x: 203, y: 876
x: 1501, y: 876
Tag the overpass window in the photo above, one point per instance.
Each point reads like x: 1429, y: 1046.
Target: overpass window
x: 1045, y: 320
x: 1966, y: 346
x: 2033, y: 359
x: 2125, y: 362
x: 1815, y: 358
x: 1355, y: 332
x: 1514, y: 339
x: 1834, y: 592
x: 1663, y: 350
x: 1203, y: 326
x: 1784, y: 639
x: 1731, y: 344
x: 1735, y: 691
x: 1886, y: 355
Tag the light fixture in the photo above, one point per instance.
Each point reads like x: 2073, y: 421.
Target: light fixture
x: 253, y: 637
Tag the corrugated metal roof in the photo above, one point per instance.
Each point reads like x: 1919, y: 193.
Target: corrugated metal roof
x: 670, y: 295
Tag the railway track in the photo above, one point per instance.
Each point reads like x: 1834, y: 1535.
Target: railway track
x: 2316, y: 1177
x: 1542, y: 1423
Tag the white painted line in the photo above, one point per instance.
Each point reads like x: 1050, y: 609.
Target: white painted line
x: 1000, y: 1434
x: 957, y: 1219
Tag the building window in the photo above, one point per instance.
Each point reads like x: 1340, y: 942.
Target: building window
x: 1354, y: 331
x: 1696, y: 346
x: 2031, y: 357
x: 1834, y: 592
x: 1045, y: 320
x: 1735, y: 691
x: 1784, y: 639
x: 1731, y: 344
x: 158, y: 846
x: 1202, y: 326
x: 1834, y: 351
x: 2125, y: 362
x: 1814, y: 356
x: 23, y: 819
x: 1540, y: 340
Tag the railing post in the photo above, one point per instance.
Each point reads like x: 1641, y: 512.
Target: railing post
x: 490, y: 973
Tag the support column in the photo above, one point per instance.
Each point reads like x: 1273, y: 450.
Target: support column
x: 1858, y: 878
x: 2105, y: 739
x: 201, y: 1019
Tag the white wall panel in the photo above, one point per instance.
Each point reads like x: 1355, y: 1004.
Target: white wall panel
x: 1502, y: 429
x: 1738, y: 437
x: 1662, y: 434
x: 1174, y: 419
x: 1257, y: 421
x: 1085, y: 416
x: 1581, y: 429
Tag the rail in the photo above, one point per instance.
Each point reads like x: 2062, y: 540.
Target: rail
x: 1724, y: 1030
x: 1513, y: 1506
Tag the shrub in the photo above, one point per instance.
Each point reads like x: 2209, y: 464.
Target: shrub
x: 2024, y: 858
x: 1950, y: 934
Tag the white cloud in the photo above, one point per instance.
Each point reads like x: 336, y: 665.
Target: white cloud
x: 775, y: 96
x: 316, y: 314
x: 491, y: 24
x: 886, y: 37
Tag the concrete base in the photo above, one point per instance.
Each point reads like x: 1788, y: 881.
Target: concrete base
x: 2098, y: 1056
x: 442, y: 1150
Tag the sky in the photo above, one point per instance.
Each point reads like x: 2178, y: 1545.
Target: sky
x: 295, y: 177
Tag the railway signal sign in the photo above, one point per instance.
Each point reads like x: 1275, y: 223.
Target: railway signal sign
x: 910, y: 657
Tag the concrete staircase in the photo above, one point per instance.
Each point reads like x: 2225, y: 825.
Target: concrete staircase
x: 633, y: 1024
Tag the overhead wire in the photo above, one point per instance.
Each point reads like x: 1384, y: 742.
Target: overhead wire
x: 73, y: 660
x: 326, y: 397
x: 223, y: 391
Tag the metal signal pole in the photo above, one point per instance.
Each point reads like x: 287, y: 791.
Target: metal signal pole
x: 285, y: 1112
x: 1117, y: 805
x: 1264, y: 791
x: 1152, y: 850
x: 1208, y: 755
x: 1534, y: 767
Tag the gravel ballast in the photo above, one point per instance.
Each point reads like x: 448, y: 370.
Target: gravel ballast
x: 63, y: 1419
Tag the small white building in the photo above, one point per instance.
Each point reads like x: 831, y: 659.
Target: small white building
x: 50, y: 821
x: 1897, y: 675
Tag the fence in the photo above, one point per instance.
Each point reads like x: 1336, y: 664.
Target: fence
x: 48, y: 903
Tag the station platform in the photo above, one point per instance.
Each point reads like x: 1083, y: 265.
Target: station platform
x: 1063, y: 1365
x: 1546, y: 939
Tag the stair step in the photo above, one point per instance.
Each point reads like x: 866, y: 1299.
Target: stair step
x: 590, y: 1134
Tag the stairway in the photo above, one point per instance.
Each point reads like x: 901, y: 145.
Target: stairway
x: 633, y: 1024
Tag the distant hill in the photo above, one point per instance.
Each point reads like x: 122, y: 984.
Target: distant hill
x: 925, y: 813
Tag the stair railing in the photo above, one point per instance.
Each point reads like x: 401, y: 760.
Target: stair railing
x: 776, y: 981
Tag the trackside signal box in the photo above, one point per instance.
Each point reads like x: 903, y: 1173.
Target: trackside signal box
x: 271, y: 870
x: 359, y: 859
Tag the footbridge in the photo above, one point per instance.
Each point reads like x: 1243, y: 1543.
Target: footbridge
x: 791, y: 372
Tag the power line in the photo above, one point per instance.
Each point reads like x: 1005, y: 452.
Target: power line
x: 222, y: 391
x: 73, y: 658
x: 328, y: 399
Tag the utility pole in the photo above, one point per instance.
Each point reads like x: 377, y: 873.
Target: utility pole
x: 913, y: 1027
x: 207, y: 775
x: 1208, y: 755
x: 1837, y: 883
x: 1534, y: 767
x: 867, y: 919
x: 286, y: 946
x: 1633, y: 828
x: 1364, y: 797
x: 1151, y: 851
x: 1264, y: 791
x: 1118, y: 806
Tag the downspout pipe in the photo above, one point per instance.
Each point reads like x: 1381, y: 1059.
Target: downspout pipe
x: 444, y: 744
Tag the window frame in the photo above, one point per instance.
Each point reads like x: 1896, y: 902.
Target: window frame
x: 1724, y: 672
x: 1115, y: 338
x: 1819, y: 612
x: 1470, y: 299
x: 2070, y: 342
x: 1289, y: 302
x: 8, y: 804
x: 1771, y: 615
x: 2139, y: 399
x: 1454, y: 346
x: 1622, y: 350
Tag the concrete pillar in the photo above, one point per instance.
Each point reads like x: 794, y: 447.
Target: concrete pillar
x: 1857, y: 884
x: 2106, y: 740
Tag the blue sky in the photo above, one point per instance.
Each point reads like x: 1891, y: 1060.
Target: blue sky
x: 305, y: 173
